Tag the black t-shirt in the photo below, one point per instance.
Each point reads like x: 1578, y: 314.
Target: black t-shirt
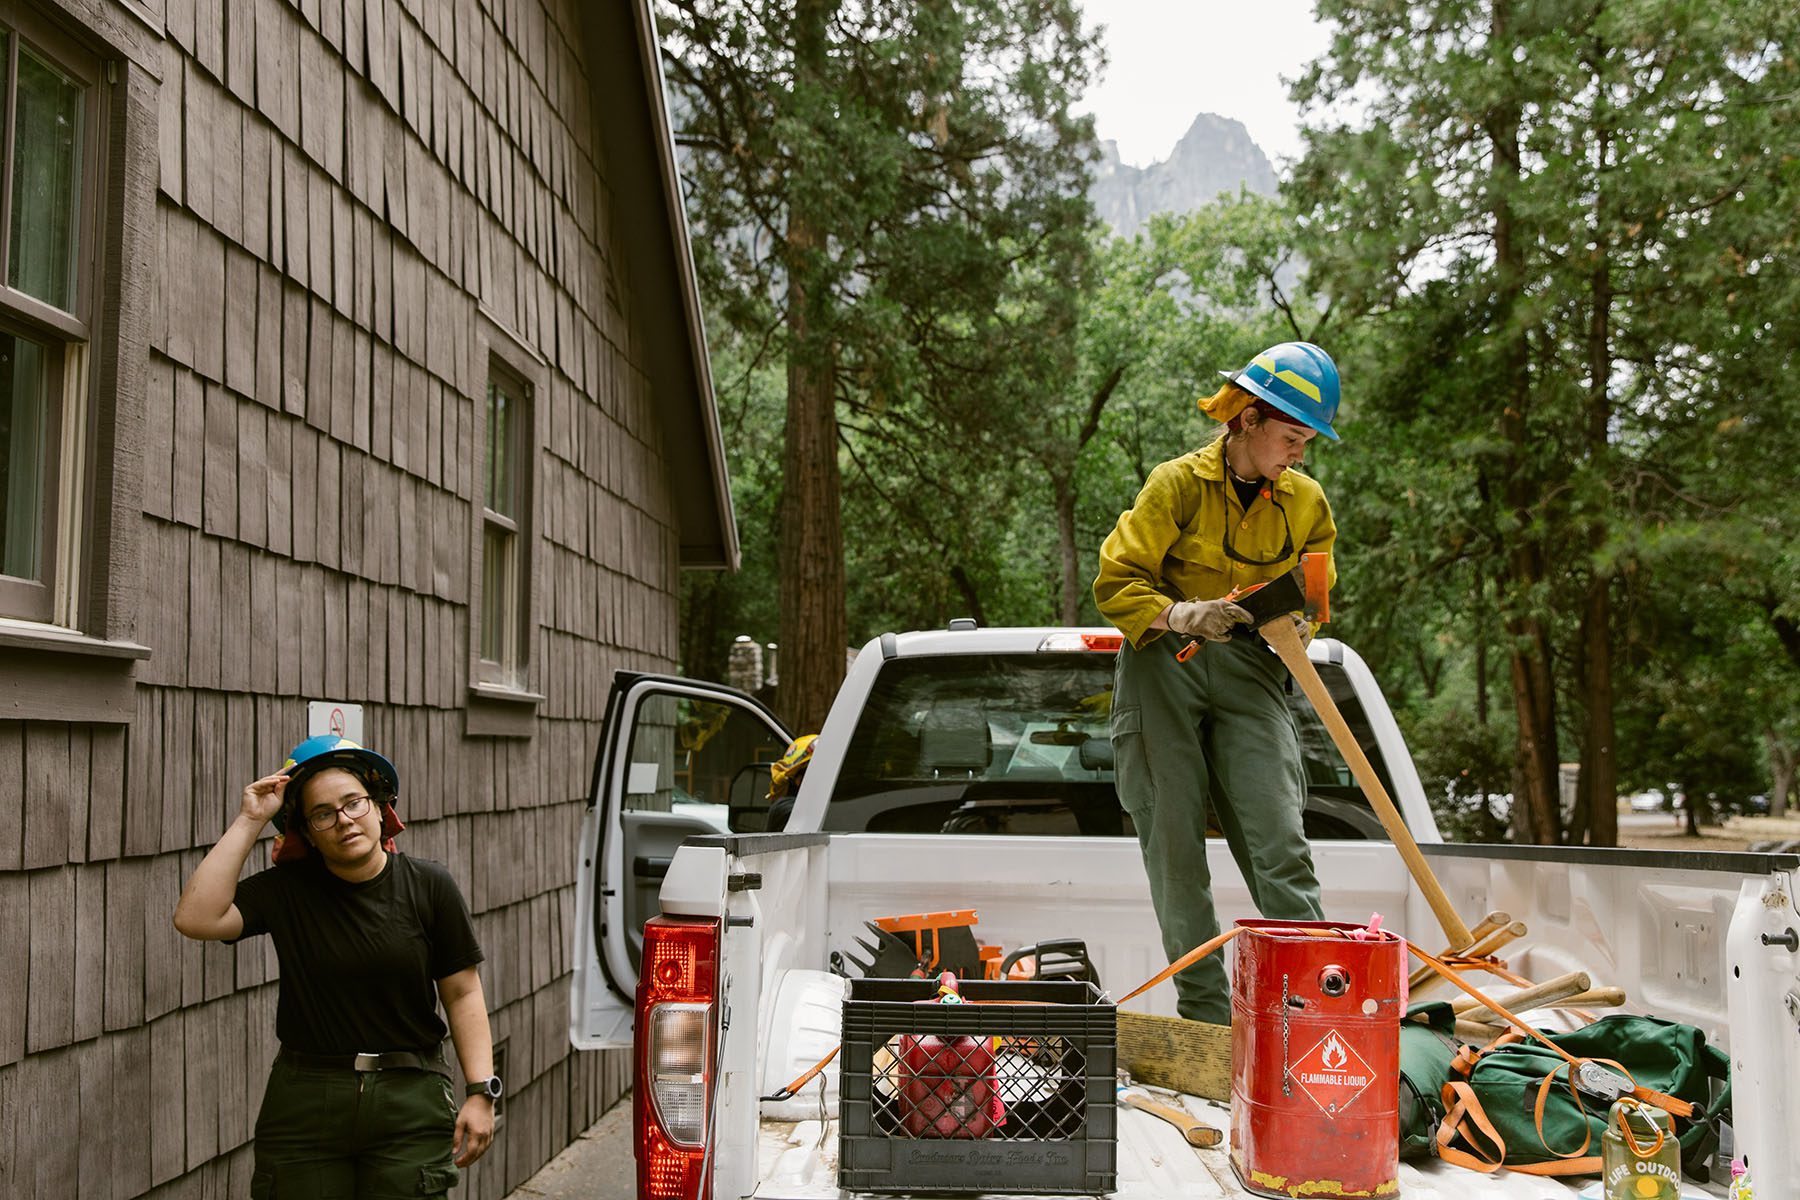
x: 1246, y: 492
x: 359, y: 960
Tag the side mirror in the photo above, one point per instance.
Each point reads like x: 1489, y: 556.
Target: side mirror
x: 748, y: 806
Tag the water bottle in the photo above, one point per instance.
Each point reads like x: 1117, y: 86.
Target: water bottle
x: 1640, y: 1158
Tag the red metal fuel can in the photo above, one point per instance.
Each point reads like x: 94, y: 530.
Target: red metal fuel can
x: 947, y: 1087
x: 1315, y: 1059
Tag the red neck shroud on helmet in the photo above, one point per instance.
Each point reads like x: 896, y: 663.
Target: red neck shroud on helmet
x: 1268, y: 412
x: 291, y: 848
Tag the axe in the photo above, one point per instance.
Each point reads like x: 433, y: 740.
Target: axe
x: 1271, y: 606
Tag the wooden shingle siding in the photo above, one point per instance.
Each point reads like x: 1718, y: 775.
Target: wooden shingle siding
x: 15, y: 960
x: 349, y: 195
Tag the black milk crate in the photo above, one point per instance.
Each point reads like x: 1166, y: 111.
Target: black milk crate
x: 1019, y: 1096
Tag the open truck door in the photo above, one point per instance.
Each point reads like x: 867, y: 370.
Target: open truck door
x: 677, y: 758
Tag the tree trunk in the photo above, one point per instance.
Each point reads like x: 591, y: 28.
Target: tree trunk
x: 815, y: 629
x: 702, y: 643
x: 1481, y: 652
x: 1483, y: 784
x: 1540, y: 804
x: 1062, y: 480
x: 1538, y: 811
x: 1070, y: 607
x: 1599, y: 784
x: 970, y: 596
x: 1784, y: 759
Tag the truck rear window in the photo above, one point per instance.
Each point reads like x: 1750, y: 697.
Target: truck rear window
x: 1019, y: 744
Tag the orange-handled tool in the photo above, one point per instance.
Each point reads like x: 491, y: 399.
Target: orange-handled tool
x: 1188, y: 651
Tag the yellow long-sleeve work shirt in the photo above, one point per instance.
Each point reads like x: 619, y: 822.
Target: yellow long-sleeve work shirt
x: 1170, y: 545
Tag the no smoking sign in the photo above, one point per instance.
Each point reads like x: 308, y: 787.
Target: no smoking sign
x: 336, y: 717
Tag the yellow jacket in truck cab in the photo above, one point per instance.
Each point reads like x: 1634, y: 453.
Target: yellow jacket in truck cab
x: 1171, y: 544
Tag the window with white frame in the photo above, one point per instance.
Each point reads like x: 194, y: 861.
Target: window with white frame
x: 49, y: 160
x: 505, y: 531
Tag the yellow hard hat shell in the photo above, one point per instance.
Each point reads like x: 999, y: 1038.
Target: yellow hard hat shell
x: 786, y: 770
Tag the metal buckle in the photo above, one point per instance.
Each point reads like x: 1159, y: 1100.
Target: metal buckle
x: 368, y: 1062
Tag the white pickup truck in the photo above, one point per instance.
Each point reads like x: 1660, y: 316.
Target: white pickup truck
x: 970, y: 768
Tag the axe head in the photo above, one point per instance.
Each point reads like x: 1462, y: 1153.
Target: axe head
x: 1304, y: 590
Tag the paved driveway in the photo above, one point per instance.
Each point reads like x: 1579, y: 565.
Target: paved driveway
x: 596, y: 1166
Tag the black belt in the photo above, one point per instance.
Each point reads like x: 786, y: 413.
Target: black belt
x: 388, y: 1060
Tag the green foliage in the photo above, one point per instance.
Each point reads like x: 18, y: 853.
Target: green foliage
x: 1466, y: 767
x: 889, y: 209
x: 1551, y: 245
x: 1555, y: 239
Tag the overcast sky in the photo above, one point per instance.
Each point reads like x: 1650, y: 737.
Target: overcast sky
x: 1169, y: 60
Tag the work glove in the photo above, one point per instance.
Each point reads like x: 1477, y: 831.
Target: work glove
x: 1304, y: 628
x: 1209, y: 619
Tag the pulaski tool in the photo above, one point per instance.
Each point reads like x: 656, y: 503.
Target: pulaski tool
x: 1305, y: 590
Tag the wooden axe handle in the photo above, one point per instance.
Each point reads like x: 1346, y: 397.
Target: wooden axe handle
x: 1539, y: 995
x: 1281, y: 634
x: 1197, y: 1132
x: 1487, y: 925
x: 1490, y: 943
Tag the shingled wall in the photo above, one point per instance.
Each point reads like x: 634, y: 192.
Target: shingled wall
x: 356, y: 204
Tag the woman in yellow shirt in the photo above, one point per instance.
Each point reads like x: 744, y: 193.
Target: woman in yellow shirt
x: 1215, y: 732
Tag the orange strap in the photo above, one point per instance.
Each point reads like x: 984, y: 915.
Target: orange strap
x: 1465, y: 1111
x: 792, y: 1088
x: 1183, y: 963
x: 1667, y: 1103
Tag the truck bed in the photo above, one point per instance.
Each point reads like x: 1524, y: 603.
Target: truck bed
x: 798, y: 1161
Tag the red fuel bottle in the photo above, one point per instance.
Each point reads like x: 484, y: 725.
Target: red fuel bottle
x: 1315, y: 1059
x: 947, y: 1087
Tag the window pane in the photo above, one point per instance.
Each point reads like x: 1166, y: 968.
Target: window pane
x: 46, y: 200
x: 499, y: 452
x: 496, y: 593
x: 23, y: 416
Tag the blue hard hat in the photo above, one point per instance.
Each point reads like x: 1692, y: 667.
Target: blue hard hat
x: 1298, y: 378
x: 328, y: 750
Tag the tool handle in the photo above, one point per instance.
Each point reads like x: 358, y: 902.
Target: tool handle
x: 1540, y: 995
x: 1281, y: 634
x: 1197, y: 1132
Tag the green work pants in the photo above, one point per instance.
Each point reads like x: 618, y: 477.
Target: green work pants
x: 327, y: 1134
x: 1214, y: 733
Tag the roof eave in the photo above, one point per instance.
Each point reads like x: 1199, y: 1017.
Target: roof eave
x: 640, y: 145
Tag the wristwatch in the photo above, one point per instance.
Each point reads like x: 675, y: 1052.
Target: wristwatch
x: 489, y: 1087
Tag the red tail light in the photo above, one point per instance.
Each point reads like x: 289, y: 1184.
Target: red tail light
x: 1070, y: 642
x: 675, y: 1051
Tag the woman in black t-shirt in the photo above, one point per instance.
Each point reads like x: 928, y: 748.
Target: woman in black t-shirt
x: 370, y: 940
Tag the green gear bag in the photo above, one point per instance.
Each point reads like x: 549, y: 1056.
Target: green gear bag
x: 1427, y: 1046
x: 1493, y: 1118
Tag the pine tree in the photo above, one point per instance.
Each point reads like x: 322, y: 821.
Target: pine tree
x: 869, y: 184
x: 1535, y: 211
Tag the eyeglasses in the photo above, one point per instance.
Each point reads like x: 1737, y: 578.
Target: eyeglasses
x: 326, y: 815
x: 1287, y: 546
